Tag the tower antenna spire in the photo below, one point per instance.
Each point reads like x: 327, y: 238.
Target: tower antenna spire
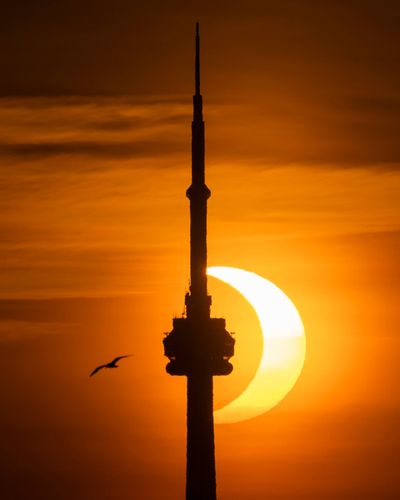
x: 197, y: 63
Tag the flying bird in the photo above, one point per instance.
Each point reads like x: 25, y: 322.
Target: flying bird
x: 112, y: 364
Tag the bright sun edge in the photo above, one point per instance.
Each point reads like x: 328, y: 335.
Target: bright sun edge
x: 284, y: 345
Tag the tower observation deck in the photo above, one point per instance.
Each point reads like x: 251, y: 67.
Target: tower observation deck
x: 199, y: 346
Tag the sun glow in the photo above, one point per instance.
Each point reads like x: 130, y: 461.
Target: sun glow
x: 283, y: 350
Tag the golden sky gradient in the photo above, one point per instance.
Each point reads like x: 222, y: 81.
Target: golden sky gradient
x: 302, y: 158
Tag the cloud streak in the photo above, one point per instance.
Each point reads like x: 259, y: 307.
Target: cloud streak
x: 106, y: 150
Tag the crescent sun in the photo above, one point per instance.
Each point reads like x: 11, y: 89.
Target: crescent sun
x: 284, y: 345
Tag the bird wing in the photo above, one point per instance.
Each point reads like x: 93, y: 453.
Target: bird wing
x: 118, y: 358
x: 96, y: 370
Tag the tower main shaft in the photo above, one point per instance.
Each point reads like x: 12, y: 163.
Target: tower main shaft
x: 199, y: 347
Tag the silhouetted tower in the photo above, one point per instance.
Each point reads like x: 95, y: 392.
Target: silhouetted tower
x: 199, y: 347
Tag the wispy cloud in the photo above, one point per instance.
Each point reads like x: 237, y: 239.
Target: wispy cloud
x: 106, y: 150
x: 34, y: 129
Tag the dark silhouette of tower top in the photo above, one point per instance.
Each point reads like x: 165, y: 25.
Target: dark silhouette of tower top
x: 199, y: 346
x: 197, y: 61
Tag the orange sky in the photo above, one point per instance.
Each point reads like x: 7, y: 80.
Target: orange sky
x: 301, y: 110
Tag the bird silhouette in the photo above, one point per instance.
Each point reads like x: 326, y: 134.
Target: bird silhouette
x: 111, y: 364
